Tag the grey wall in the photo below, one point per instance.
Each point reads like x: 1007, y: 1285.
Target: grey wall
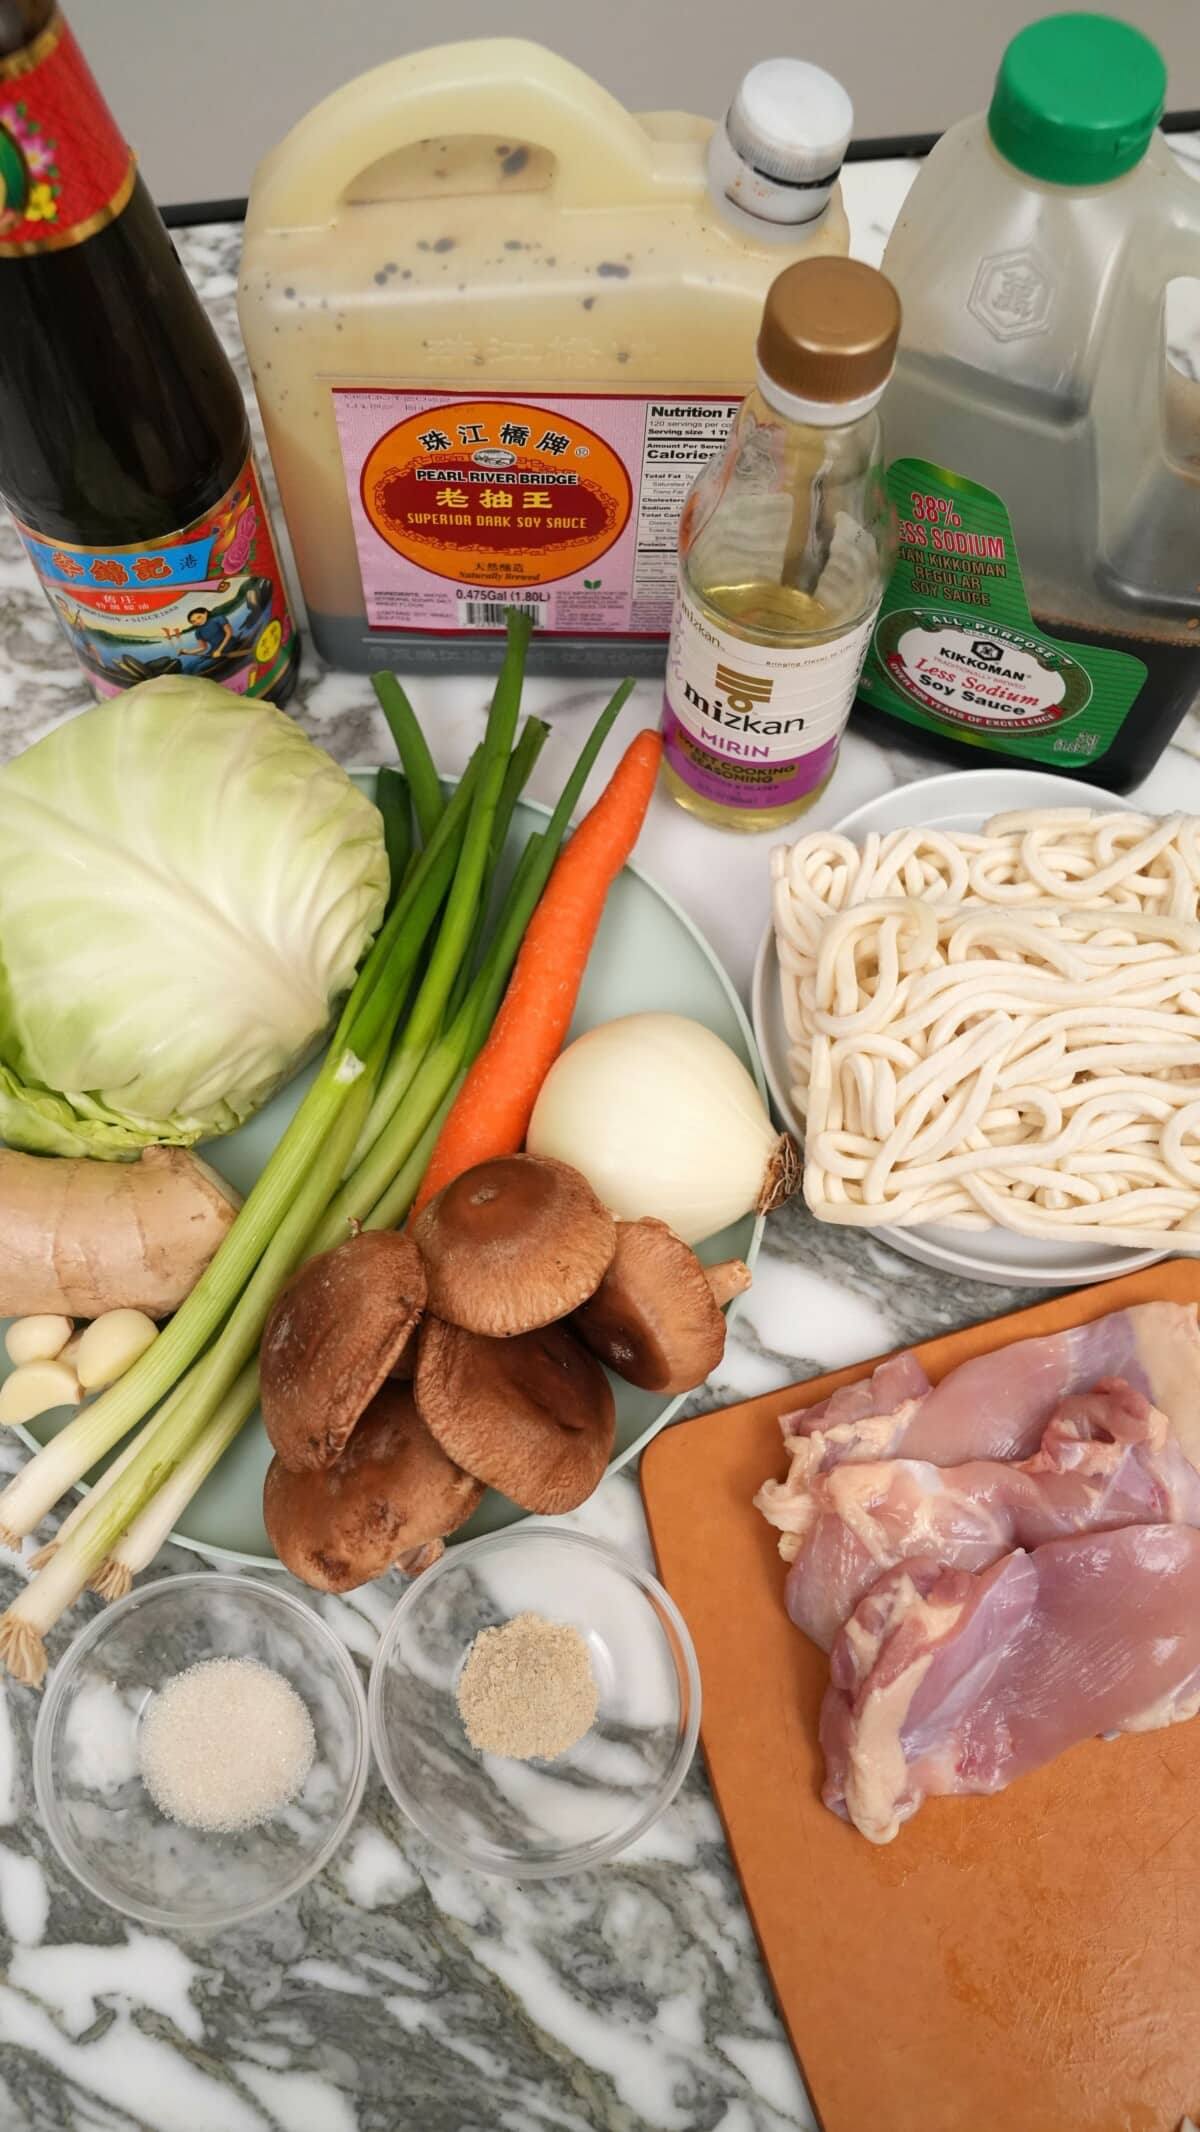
x: 201, y: 92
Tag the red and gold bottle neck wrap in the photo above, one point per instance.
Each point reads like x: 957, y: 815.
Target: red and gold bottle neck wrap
x: 65, y: 170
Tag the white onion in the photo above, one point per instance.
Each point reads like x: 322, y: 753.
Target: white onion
x: 664, y: 1120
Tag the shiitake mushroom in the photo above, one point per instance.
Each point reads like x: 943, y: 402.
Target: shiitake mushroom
x: 371, y: 1472
x: 656, y: 1317
x: 333, y: 1335
x: 388, y: 1501
x: 532, y: 1415
x: 512, y: 1244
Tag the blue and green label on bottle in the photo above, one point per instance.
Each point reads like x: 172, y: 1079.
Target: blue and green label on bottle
x: 956, y: 649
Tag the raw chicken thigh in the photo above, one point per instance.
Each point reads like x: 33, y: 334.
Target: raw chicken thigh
x: 943, y: 1682
x: 997, y: 1405
x: 1001, y: 1564
x: 1107, y: 1458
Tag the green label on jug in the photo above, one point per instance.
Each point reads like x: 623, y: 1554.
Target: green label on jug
x: 956, y: 649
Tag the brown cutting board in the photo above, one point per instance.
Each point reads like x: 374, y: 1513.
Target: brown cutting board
x: 1027, y: 1963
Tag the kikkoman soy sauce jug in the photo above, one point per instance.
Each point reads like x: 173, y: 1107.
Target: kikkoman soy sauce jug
x: 1044, y: 453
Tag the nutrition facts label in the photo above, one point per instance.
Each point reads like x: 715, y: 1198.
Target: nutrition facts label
x: 680, y: 437
x: 565, y: 505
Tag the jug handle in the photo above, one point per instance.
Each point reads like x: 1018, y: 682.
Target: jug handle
x: 502, y: 86
x: 1181, y: 251
x: 1182, y: 215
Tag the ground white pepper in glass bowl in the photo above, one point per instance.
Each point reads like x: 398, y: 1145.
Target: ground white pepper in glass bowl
x: 120, y: 1790
x: 527, y: 1689
x: 569, y: 1771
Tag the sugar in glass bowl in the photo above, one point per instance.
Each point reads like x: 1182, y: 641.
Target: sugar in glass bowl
x: 93, y: 1803
x: 530, y: 1820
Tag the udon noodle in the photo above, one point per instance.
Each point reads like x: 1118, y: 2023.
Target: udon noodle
x: 1000, y: 1029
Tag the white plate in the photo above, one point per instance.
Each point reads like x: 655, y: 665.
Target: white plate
x: 965, y: 799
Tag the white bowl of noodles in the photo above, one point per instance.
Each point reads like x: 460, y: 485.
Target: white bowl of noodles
x: 962, y: 800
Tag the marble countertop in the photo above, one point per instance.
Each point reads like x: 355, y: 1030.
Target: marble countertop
x: 397, y: 1993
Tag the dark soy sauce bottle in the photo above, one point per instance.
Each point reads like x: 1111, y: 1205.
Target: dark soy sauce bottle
x: 125, y: 453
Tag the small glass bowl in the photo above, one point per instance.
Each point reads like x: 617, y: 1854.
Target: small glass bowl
x: 95, y: 1808
x: 530, y: 1820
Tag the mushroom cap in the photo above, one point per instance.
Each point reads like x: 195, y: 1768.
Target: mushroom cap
x: 531, y: 1415
x: 332, y: 1336
x: 512, y: 1244
x: 654, y: 1318
x: 391, y: 1495
x: 405, y: 1364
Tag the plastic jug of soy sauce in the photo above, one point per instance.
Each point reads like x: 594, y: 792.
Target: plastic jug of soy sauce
x: 1044, y: 454
x: 497, y: 323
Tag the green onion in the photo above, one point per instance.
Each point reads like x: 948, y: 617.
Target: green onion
x: 152, y: 1527
x: 457, y: 1047
x: 375, y: 1003
x: 396, y: 1203
x: 394, y: 801
x: 373, y: 1173
x: 79, y: 1560
x: 534, y: 735
x: 413, y: 750
x: 103, y: 1482
x: 456, y: 930
x: 521, y: 764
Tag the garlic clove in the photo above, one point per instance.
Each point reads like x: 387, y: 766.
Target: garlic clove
x: 35, y: 1388
x: 36, y: 1339
x: 111, y: 1344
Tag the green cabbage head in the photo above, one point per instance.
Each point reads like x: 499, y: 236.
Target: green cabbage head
x: 187, y: 885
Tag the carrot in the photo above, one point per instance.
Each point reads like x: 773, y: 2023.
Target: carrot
x: 490, y: 1115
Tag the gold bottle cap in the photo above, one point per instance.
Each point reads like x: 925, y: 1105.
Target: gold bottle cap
x: 829, y: 330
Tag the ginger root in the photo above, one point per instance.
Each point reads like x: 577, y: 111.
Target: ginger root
x: 82, y: 1237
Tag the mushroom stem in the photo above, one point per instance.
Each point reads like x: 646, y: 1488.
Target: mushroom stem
x: 418, y: 1559
x: 732, y: 1277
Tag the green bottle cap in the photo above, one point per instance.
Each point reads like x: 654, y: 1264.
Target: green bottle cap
x: 1077, y: 99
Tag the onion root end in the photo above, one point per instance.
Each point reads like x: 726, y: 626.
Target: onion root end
x: 784, y: 1171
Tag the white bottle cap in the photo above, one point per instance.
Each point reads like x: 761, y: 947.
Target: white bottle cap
x: 774, y: 159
